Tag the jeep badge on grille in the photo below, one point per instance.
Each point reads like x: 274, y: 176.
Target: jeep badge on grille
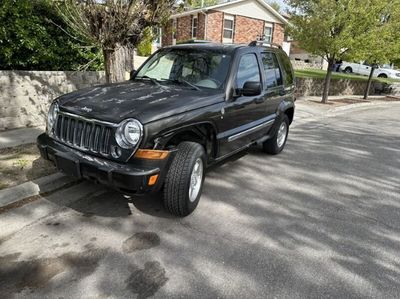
x: 86, y: 109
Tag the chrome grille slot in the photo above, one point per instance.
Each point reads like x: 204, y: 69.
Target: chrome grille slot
x: 83, y: 134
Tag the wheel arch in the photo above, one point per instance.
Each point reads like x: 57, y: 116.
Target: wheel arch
x: 203, y: 133
x: 286, y: 107
x: 290, y: 113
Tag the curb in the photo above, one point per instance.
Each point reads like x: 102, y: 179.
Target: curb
x: 44, y: 185
x: 358, y: 105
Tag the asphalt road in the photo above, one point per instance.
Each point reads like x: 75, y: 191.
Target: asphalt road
x: 321, y: 220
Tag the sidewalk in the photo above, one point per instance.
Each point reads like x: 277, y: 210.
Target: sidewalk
x: 311, y: 106
x: 15, y: 137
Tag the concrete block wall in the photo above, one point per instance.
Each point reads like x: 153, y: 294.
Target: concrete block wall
x: 25, y: 96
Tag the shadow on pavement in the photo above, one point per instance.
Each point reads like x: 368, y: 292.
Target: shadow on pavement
x: 319, y: 220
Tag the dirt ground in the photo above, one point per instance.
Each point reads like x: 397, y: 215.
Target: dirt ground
x: 22, y: 163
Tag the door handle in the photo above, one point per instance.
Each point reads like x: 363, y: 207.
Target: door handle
x: 282, y: 91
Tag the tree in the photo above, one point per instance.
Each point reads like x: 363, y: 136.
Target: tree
x: 382, y: 39
x: 275, y: 5
x: 32, y: 38
x: 201, y: 3
x: 333, y: 28
x: 115, y: 26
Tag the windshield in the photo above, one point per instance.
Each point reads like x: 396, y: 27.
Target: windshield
x: 201, y: 68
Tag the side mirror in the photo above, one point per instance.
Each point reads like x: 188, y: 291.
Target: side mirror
x: 251, y: 88
x: 236, y: 93
x: 132, y: 74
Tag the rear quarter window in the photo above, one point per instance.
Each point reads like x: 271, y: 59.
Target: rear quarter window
x: 287, y: 69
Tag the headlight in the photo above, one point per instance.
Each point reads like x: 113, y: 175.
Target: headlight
x: 51, y: 118
x: 129, y: 133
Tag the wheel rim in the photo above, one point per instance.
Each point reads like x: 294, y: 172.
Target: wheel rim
x: 282, y: 132
x: 196, y: 179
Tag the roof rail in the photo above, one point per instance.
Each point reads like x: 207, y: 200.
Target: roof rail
x: 262, y: 43
x: 194, y: 41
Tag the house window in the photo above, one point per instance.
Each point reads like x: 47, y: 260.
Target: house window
x: 268, y: 34
x: 229, y: 24
x: 194, y: 27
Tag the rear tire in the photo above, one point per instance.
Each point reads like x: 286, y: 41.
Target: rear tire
x: 382, y: 76
x: 348, y: 70
x: 276, y: 144
x: 184, y: 181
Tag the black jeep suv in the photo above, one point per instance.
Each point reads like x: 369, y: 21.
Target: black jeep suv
x: 186, y: 108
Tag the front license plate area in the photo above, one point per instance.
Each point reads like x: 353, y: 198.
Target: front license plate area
x: 68, y: 166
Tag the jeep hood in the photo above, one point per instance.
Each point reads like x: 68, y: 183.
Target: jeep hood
x: 141, y: 100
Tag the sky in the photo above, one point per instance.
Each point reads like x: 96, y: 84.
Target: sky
x: 282, y: 4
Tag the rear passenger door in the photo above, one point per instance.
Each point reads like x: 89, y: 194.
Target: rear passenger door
x: 287, y: 75
x: 274, y: 90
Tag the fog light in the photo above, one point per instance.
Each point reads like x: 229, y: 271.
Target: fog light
x: 115, y: 152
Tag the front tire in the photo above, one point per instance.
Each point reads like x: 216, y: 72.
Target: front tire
x: 185, y: 178
x: 276, y: 144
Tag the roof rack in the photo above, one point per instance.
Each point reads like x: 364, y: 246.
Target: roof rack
x: 262, y: 43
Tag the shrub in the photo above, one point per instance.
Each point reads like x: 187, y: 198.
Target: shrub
x: 145, y: 46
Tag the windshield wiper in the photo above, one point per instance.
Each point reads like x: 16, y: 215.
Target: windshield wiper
x: 180, y: 81
x: 152, y: 80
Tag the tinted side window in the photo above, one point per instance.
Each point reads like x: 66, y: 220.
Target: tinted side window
x: 287, y: 69
x: 248, y: 70
x: 271, y: 68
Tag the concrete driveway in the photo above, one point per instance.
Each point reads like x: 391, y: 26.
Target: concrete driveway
x: 321, y: 220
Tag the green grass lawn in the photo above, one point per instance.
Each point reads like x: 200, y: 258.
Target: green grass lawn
x: 320, y: 74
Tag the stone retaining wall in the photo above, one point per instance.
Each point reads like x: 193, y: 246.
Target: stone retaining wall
x: 301, y: 65
x: 25, y: 95
x: 315, y: 87
x: 396, y: 89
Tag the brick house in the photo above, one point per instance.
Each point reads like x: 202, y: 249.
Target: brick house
x: 239, y: 21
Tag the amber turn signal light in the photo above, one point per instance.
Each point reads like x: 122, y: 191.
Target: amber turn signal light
x: 153, y: 180
x: 151, y: 154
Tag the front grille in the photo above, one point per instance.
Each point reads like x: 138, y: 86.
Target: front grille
x: 83, y: 134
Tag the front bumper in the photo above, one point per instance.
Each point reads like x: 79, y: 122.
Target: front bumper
x: 130, y: 178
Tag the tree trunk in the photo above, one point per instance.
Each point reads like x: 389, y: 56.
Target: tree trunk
x: 118, y: 63
x: 371, y: 74
x: 327, y: 84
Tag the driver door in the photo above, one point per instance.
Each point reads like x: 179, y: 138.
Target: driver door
x: 241, y: 114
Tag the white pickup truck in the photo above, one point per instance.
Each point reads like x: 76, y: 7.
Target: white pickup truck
x: 365, y: 69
